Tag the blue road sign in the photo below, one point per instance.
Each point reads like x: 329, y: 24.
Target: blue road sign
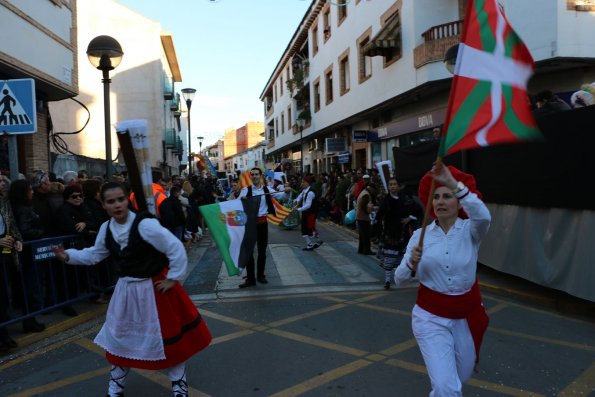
x: 17, y: 106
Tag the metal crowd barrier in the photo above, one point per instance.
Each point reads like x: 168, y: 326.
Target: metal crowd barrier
x: 43, y: 284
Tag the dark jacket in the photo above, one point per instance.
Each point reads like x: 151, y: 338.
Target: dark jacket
x: 43, y: 208
x: 172, y: 214
x: 390, y: 213
x: 28, y: 222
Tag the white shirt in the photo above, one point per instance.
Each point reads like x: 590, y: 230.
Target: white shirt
x: 150, y: 230
x: 263, y: 209
x: 449, y: 260
x: 307, y: 201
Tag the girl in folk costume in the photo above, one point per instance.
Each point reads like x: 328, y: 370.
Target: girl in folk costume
x: 397, y: 217
x: 306, y: 205
x: 449, y: 319
x: 151, y: 322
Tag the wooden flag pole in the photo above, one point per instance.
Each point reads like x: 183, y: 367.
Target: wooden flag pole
x: 134, y: 178
x: 427, y: 211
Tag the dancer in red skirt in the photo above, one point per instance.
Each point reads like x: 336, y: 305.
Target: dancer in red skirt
x: 151, y: 322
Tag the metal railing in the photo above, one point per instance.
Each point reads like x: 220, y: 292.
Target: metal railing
x: 449, y: 29
x: 42, y: 284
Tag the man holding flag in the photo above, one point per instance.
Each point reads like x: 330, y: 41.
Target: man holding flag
x: 265, y: 207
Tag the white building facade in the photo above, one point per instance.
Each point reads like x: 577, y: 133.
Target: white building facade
x: 39, y: 42
x: 142, y: 87
x: 368, y: 76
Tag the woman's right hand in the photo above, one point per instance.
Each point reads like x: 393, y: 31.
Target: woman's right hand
x: 58, y: 250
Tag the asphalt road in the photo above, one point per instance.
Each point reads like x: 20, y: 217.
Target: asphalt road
x: 323, y: 326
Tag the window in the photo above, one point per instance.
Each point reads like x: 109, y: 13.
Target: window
x: 281, y: 85
x: 275, y: 93
x: 289, y: 118
x: 342, y: 12
x: 317, y: 95
x: 344, y: 77
x: 328, y: 85
x: 315, y: 39
x: 364, y: 62
x: 326, y: 19
x: 282, y: 123
x: 276, y: 127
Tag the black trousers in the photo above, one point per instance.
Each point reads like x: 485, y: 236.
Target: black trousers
x: 262, y: 239
x: 363, y: 229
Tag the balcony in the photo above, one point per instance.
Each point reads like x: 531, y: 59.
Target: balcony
x: 174, y: 105
x: 179, y: 147
x: 168, y: 87
x: 437, y: 40
x: 170, y: 138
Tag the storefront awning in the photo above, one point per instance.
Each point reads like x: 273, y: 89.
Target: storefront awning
x: 387, y: 40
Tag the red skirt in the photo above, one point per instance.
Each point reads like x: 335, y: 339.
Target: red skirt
x: 183, y: 330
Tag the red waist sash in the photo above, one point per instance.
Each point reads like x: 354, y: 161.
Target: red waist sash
x: 468, y: 306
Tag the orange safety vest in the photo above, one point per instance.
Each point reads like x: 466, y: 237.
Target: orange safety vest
x: 158, y: 195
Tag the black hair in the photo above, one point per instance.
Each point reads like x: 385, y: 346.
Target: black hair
x: 113, y: 185
x: 91, y: 187
x: 17, y: 194
x: 70, y: 189
x: 256, y: 169
x: 545, y: 95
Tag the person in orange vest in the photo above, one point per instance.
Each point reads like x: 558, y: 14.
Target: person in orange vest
x: 159, y: 193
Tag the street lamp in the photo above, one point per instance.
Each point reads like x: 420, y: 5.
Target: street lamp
x: 301, y: 123
x: 105, y: 54
x: 188, y: 94
x: 200, y: 139
x: 450, y: 58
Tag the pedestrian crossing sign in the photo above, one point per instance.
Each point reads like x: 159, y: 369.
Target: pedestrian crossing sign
x: 18, y: 107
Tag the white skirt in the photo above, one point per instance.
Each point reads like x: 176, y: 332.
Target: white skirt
x: 131, y: 328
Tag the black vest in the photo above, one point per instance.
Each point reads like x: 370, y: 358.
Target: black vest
x: 267, y: 197
x: 139, y: 259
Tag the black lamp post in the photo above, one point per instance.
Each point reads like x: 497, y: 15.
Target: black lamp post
x: 301, y: 123
x: 450, y: 58
x: 200, y: 139
x: 105, y: 53
x: 188, y: 94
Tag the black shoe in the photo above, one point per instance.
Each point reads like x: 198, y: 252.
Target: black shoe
x: 31, y: 325
x: 117, y: 395
x: 370, y: 253
x: 262, y: 280
x: 308, y: 248
x: 69, y: 311
x: 318, y: 244
x: 247, y: 284
x: 387, y: 285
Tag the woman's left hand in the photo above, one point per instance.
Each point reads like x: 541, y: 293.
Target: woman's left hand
x: 164, y: 285
x: 442, y: 175
x: 79, y: 227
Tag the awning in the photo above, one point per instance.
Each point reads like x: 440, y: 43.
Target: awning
x: 387, y: 40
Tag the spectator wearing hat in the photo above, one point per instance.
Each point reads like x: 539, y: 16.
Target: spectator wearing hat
x: 449, y: 319
x: 307, y: 206
x: 365, y: 206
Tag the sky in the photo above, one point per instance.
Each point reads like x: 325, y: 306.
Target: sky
x: 227, y: 50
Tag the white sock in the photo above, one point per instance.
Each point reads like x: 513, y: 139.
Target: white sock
x: 308, y: 240
x: 177, y: 375
x: 117, y: 380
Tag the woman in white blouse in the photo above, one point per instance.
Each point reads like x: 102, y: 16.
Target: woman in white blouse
x: 449, y: 319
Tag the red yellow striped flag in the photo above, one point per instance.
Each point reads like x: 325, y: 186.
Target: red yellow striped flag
x: 245, y: 179
x: 281, y: 213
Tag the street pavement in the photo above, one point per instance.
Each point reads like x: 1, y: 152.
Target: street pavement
x: 322, y: 326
